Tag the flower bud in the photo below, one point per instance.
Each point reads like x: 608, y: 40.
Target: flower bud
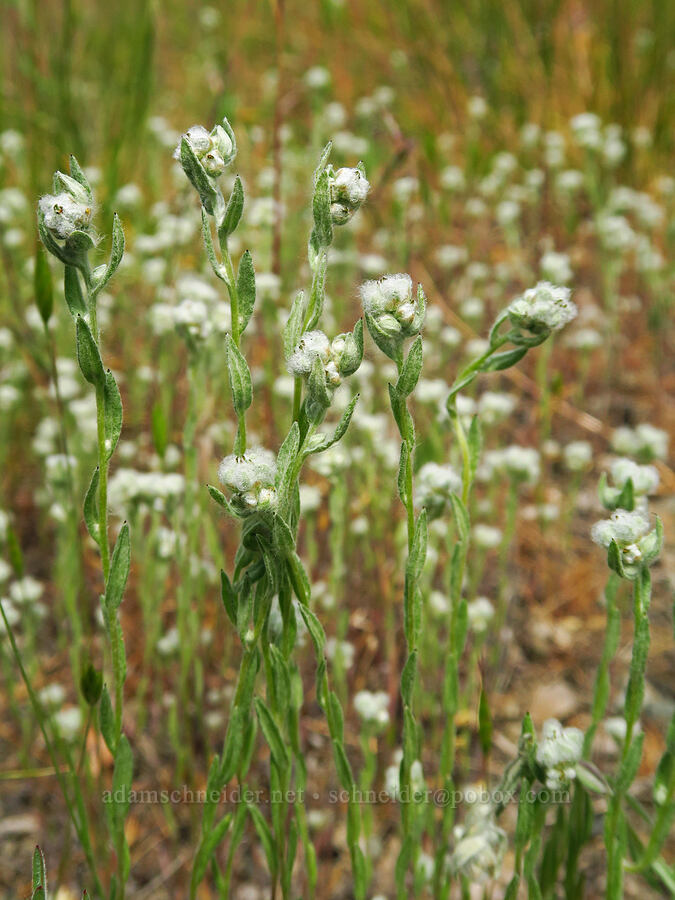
x: 348, y: 189
x: 215, y: 150
x: 392, y: 314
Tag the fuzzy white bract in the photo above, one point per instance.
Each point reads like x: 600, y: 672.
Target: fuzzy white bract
x: 250, y: 480
x: 543, y: 308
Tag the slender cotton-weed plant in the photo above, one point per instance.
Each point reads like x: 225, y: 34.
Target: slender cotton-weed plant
x: 554, y: 790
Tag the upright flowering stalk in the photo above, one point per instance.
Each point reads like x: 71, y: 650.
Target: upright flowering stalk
x: 533, y: 317
x: 65, y: 227
x: 393, y: 315
x: 261, y: 491
x: 633, y: 543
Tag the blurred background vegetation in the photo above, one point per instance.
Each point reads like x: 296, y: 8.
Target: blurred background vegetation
x: 82, y: 76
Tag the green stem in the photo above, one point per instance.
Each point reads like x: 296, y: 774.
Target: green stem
x: 82, y: 829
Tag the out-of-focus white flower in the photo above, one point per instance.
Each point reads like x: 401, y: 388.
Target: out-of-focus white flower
x: 646, y: 442
x: 578, y: 455
x: 480, y: 613
x: 645, y: 478
x: 373, y: 707
x: 479, y: 846
x: 543, y: 308
x: 556, y: 267
x: 487, y: 537
x: 558, y: 751
x: 435, y: 484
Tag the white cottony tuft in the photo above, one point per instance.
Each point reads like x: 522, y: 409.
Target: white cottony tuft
x: 543, y: 308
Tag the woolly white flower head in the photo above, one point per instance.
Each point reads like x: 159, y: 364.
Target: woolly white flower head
x: 311, y: 345
x: 543, y: 308
x: 624, y: 527
x: 392, y: 313
x: 645, y: 478
x: 63, y: 214
x: 250, y: 479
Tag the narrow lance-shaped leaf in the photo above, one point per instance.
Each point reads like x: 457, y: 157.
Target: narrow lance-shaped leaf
x: 239, y: 376
x: 245, y: 289
x: 91, y: 507
x: 218, y: 268
x: 320, y: 442
x: 272, y: 734
x: 233, y: 211
x: 292, y: 331
x: 116, y: 254
x: 197, y: 174
x: 88, y: 355
x: 44, y: 291
x: 39, y: 870
x: 411, y: 369
x: 119, y: 569
x: 112, y: 409
x: 72, y: 290
x: 106, y: 718
x: 418, y: 552
x: 78, y: 174
x: 322, y: 235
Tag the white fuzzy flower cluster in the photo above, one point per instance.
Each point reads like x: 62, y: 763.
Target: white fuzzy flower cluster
x: 628, y: 530
x: 645, y: 478
x: 556, y: 267
x: 586, y: 130
x: 578, y: 455
x: 68, y: 211
x: 373, y: 707
x: 543, y: 308
x: 495, y: 406
x: 487, y: 537
x: 389, y: 304
x: 435, y: 484
x: 215, y: 149
x: 348, y: 189
x: 480, y: 613
x: 335, y: 357
x: 480, y: 845
x: 615, y: 232
x: 250, y: 480
x: 558, y: 752
x: 644, y: 441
